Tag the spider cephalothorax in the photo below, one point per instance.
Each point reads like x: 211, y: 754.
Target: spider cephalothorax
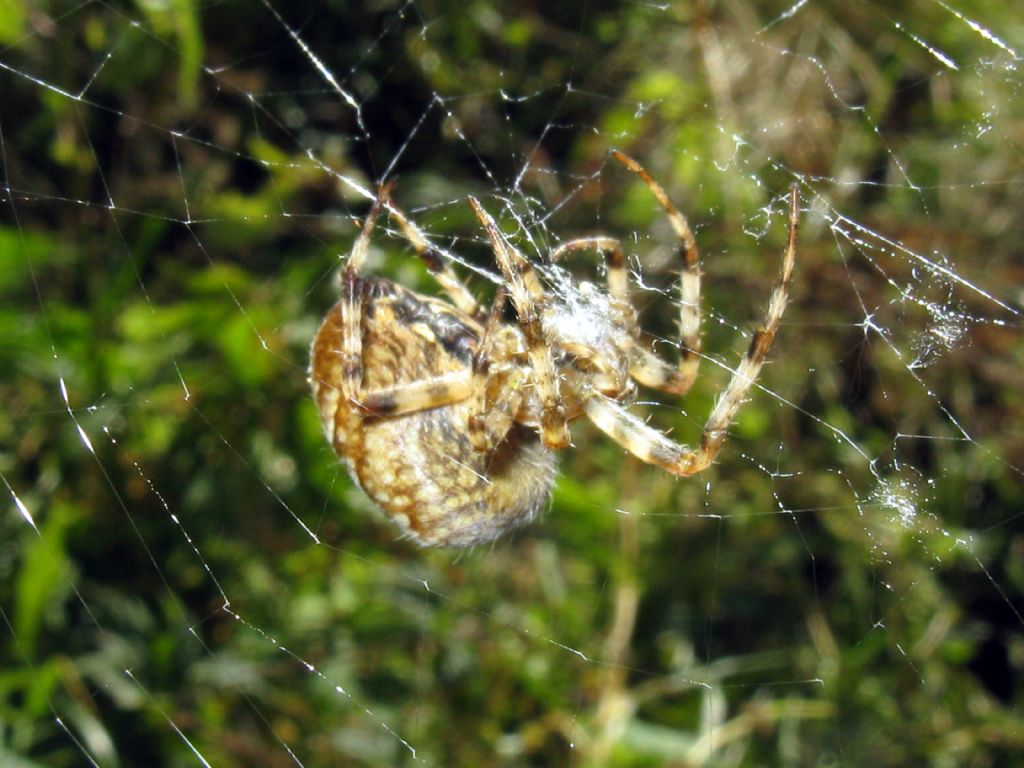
x: 448, y: 417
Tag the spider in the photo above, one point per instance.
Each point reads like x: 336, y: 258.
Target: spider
x: 448, y: 417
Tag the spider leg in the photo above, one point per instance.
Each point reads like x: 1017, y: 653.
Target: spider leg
x: 393, y: 401
x: 482, y: 427
x: 526, y: 291
x: 644, y: 365
x: 457, y: 291
x: 417, y: 395
x: 646, y: 368
x: 651, y: 371
x: 643, y: 441
x: 614, y: 261
x: 743, y: 378
x: 497, y: 395
x: 652, y: 446
x: 352, y: 305
x: 504, y: 397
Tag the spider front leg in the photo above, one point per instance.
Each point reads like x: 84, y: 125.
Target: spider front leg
x: 526, y: 291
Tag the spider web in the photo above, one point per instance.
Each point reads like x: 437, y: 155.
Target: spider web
x: 189, y: 576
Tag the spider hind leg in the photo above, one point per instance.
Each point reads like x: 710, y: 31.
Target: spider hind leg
x: 653, y: 447
x: 648, y: 369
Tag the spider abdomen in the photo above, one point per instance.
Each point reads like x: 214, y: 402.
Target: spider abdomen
x: 421, y: 467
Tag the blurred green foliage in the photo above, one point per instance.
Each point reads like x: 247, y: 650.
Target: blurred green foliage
x: 167, y: 244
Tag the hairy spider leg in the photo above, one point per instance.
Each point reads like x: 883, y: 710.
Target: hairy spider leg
x: 418, y: 395
x: 495, y: 403
x: 644, y: 365
x: 648, y: 369
x: 478, y: 426
x: 352, y: 307
x: 614, y: 262
x: 496, y: 416
x: 498, y: 397
x: 406, y: 398
x: 504, y: 399
x: 652, y: 446
x: 526, y: 291
x: 730, y: 400
x: 457, y: 291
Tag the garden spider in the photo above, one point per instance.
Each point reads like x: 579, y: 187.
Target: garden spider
x: 448, y: 417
